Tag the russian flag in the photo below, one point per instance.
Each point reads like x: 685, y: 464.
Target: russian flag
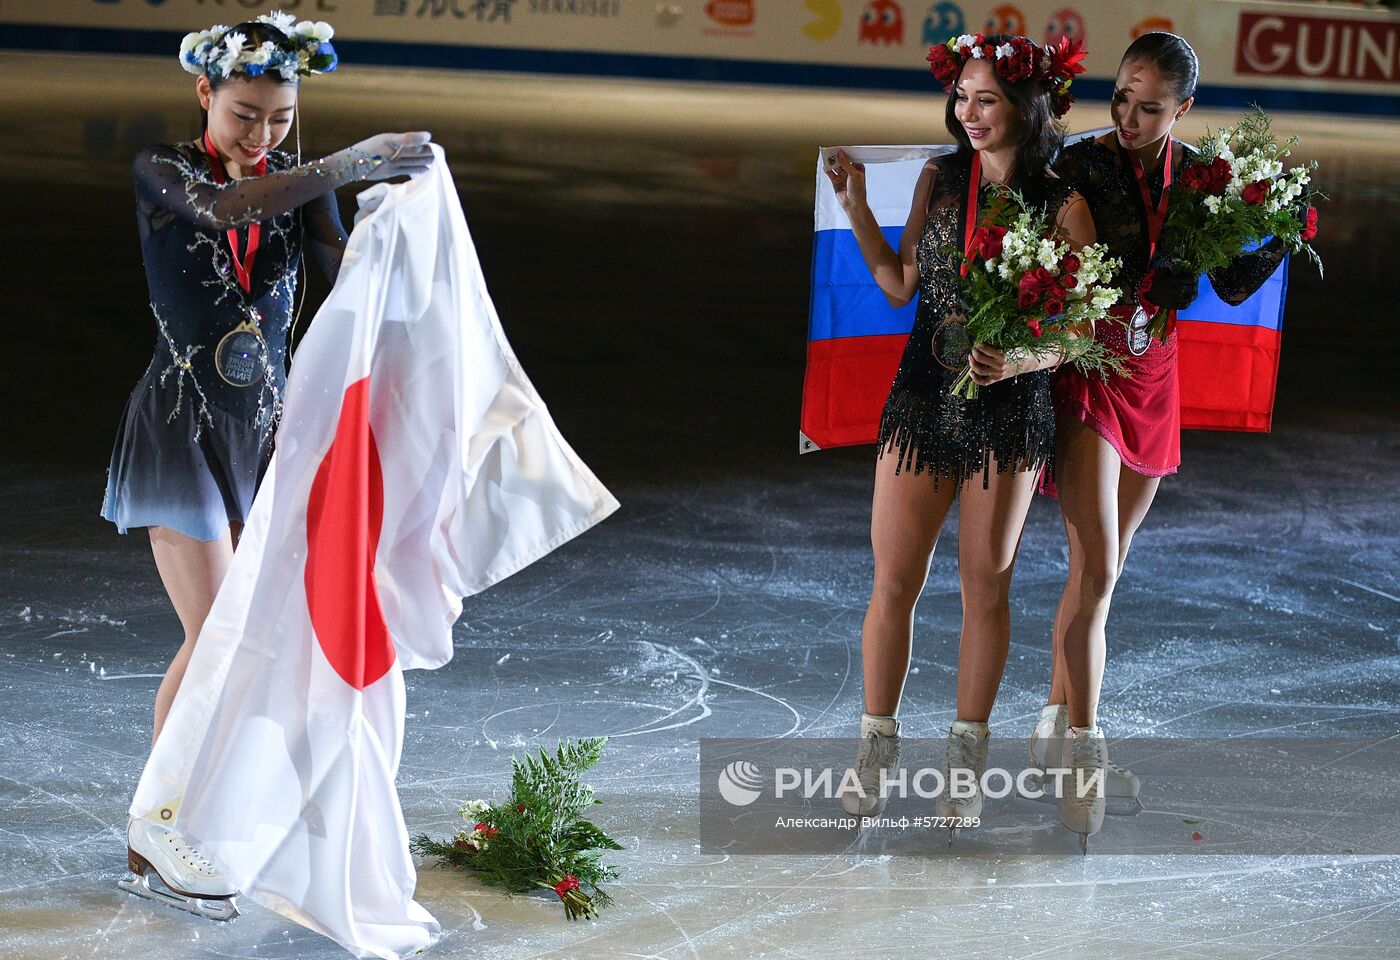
x: 1228, y: 355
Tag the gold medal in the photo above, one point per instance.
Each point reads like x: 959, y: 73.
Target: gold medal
x: 241, y: 356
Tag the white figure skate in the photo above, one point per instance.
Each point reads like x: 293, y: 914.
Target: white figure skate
x: 187, y: 881
x: 1121, y: 785
x: 966, y: 750
x: 879, y: 751
x: 1082, y: 810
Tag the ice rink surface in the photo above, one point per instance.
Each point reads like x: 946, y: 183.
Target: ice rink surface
x: 648, y: 248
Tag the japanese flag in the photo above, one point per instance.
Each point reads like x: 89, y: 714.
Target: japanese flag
x: 415, y: 465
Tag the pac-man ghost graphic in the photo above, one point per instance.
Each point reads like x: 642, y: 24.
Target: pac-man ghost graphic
x: 1006, y: 18
x: 882, y: 22
x: 1152, y: 25
x: 1065, y: 22
x: 942, y: 21
x: 828, y: 20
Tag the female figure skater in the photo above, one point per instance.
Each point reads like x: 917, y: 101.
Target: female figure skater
x: 1118, y: 435
x: 222, y: 221
x: 987, y: 451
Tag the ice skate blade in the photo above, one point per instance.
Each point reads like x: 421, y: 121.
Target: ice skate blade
x: 209, y: 908
x: 1113, y: 806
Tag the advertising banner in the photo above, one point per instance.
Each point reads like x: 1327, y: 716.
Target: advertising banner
x: 1286, y: 54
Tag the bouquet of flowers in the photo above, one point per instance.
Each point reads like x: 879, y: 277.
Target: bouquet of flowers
x: 1025, y: 290
x: 1233, y: 195
x: 538, y: 838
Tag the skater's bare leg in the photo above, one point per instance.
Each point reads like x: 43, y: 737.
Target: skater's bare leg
x: 191, y: 571
x: 906, y: 516
x: 1103, y: 506
x: 990, y: 522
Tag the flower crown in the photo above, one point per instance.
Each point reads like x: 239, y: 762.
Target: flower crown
x: 1014, y: 60
x: 221, y: 52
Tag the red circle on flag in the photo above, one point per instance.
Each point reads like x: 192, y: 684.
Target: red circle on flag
x: 344, y: 515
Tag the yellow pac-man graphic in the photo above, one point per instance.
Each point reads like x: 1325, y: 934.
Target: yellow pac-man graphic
x: 828, y: 20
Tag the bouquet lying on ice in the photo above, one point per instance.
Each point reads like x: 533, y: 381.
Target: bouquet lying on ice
x: 1026, y: 290
x: 538, y: 838
x: 1233, y: 195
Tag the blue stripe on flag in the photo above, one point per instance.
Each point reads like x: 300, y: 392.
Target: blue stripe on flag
x: 845, y: 301
x: 1263, y: 309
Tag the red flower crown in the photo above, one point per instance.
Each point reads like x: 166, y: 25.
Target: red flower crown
x: 1015, y: 60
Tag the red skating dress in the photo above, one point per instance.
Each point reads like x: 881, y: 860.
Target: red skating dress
x: 1139, y: 413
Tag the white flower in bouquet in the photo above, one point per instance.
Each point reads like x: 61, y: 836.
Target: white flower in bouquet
x: 473, y: 808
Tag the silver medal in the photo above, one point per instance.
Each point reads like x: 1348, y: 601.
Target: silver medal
x: 1138, y: 337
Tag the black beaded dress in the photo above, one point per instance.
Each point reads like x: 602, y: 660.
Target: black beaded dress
x: 196, y: 436
x: 1009, y: 425
x: 1137, y: 412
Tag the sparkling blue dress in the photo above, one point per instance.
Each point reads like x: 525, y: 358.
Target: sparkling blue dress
x: 196, y: 435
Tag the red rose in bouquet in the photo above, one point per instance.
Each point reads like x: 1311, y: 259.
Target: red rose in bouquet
x: 1208, y: 178
x: 1256, y: 193
x: 986, y: 242
x: 1033, y: 285
x: 1309, y: 225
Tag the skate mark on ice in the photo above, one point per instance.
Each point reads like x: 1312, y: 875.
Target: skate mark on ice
x: 1362, y: 586
x: 698, y: 699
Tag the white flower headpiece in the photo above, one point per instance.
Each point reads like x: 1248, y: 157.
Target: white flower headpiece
x: 220, y: 53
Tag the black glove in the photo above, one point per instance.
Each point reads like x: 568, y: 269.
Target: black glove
x: 1170, y: 288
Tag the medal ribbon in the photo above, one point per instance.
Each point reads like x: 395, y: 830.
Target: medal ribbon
x: 243, y: 267
x: 970, y: 221
x: 1156, y: 216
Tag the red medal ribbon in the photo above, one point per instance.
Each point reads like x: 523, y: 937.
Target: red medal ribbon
x: 1156, y: 216
x: 243, y: 267
x: 970, y: 221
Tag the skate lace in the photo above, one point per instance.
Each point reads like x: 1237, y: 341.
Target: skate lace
x: 964, y: 751
x: 877, y: 752
x: 1121, y: 771
x: 1086, y: 753
x: 189, y: 854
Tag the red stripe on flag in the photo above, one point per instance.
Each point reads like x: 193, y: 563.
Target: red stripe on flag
x: 848, y: 380
x: 343, y: 519
x: 1228, y: 375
